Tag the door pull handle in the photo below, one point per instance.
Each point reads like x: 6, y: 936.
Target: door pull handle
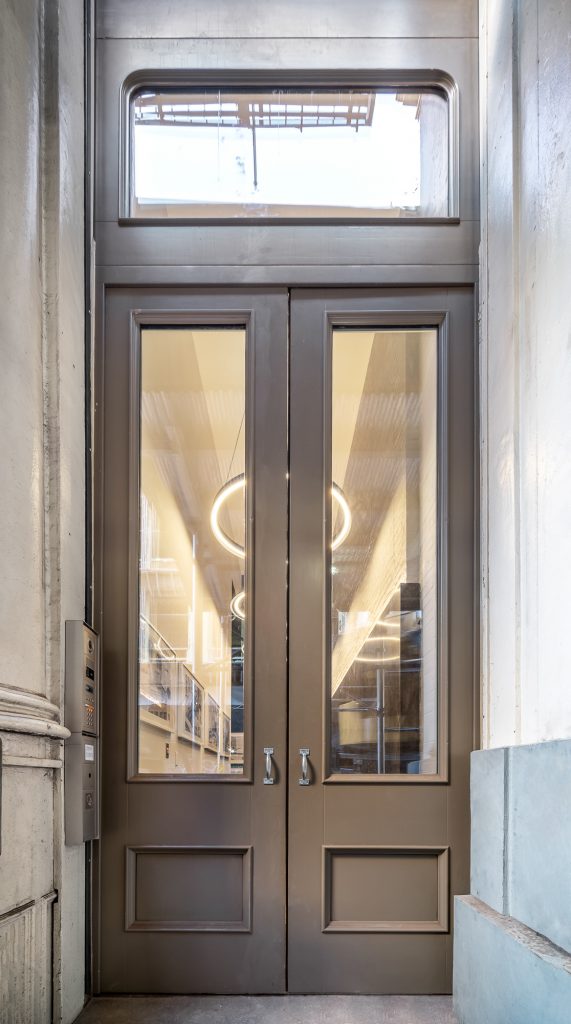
x: 304, y: 780
x: 269, y: 779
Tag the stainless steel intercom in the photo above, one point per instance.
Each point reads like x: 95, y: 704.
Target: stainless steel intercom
x: 82, y: 719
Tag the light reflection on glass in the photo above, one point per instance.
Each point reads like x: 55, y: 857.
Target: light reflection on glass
x: 284, y: 153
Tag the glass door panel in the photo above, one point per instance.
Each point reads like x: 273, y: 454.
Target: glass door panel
x: 380, y: 635
x: 192, y: 551
x: 383, y: 705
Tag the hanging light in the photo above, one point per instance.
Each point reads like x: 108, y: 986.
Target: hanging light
x: 382, y: 640
x: 341, y: 500
x: 380, y: 661
x: 238, y: 483
x: 238, y: 605
x: 384, y: 658
x: 385, y: 624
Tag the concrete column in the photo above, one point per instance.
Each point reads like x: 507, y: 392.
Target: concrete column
x: 42, y: 499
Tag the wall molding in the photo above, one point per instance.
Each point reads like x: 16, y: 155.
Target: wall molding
x: 26, y: 956
x: 29, y: 713
x: 15, y: 761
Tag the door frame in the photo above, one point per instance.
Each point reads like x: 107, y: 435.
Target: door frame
x: 403, y: 316
x: 408, y: 254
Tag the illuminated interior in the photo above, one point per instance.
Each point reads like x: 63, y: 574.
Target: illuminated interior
x: 384, y: 577
x: 191, y: 647
x: 193, y: 553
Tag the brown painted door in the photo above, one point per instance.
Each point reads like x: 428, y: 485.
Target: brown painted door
x: 380, y: 636
x: 192, y: 450
x: 194, y: 464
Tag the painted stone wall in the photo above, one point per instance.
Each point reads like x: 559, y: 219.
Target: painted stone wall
x: 525, y: 82
x: 42, y: 497
x: 512, y: 945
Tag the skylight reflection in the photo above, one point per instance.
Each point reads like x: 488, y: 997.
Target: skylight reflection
x: 271, y: 154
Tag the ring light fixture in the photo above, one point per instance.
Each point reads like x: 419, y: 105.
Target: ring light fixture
x: 380, y: 661
x: 382, y: 640
x: 341, y: 500
x: 238, y: 605
x: 238, y: 483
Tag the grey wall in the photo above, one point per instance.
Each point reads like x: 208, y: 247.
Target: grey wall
x: 42, y: 496
x: 505, y: 973
x: 512, y: 946
x: 525, y: 83
x: 521, y: 835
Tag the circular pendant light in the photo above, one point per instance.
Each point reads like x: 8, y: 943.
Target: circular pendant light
x: 380, y: 661
x: 341, y: 500
x: 238, y: 483
x: 238, y: 605
x: 382, y: 640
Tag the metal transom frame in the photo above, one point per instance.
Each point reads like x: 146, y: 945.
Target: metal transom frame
x: 175, y: 98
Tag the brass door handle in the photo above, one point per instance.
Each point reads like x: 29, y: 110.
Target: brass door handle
x: 304, y: 780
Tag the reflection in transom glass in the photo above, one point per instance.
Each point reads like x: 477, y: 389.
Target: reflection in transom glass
x: 290, y: 153
x: 192, y: 559
x: 384, y: 583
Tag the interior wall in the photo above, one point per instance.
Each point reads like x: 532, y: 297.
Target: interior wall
x: 525, y: 80
x: 42, y: 499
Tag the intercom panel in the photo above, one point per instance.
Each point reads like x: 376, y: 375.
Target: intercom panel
x: 81, y: 789
x: 81, y: 678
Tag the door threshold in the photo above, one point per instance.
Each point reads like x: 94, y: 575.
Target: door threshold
x: 280, y: 1009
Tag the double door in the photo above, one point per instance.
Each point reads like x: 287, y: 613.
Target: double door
x: 286, y: 609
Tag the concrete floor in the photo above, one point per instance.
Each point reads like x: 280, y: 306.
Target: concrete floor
x: 269, y: 1010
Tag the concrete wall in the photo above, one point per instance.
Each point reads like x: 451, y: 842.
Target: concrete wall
x: 525, y: 80
x: 519, y: 860
x: 42, y: 499
x: 512, y: 945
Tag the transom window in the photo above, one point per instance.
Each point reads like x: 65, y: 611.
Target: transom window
x: 303, y: 154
